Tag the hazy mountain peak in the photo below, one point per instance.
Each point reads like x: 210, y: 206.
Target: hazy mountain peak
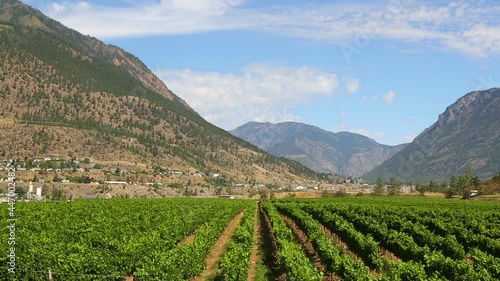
x: 343, y: 153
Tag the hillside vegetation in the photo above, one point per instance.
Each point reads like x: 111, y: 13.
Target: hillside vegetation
x: 56, y: 82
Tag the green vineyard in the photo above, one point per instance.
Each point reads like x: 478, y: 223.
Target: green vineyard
x: 356, y: 238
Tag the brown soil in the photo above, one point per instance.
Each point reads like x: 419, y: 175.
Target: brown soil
x: 388, y: 255
x: 218, y: 249
x: 304, y: 241
x: 130, y: 277
x: 344, y: 248
x: 469, y: 260
x: 269, y: 243
x: 309, y: 249
x: 254, y: 257
x: 338, y: 242
x: 187, y: 240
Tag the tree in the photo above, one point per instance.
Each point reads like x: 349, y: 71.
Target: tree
x: 379, y: 188
x: 264, y: 193
x: 464, y: 183
x: 496, y: 177
x: 56, y: 178
x: 475, y: 181
x: 454, y: 187
x: 442, y: 187
x: 394, y: 187
x: 187, y: 192
x: 57, y: 194
x: 433, y: 186
x: 422, y: 189
x: 21, y: 192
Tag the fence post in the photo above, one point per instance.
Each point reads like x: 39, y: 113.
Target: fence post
x: 50, y: 275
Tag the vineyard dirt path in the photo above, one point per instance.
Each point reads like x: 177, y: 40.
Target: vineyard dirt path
x: 309, y: 249
x: 254, y: 257
x: 218, y: 249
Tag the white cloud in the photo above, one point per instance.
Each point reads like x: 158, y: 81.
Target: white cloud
x: 389, y: 97
x: 167, y: 17
x: 260, y: 93
x: 352, y: 85
x: 468, y: 27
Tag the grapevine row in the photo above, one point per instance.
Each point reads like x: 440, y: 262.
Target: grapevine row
x: 235, y: 261
x: 365, y: 246
x: 336, y: 262
x: 455, y: 227
x: 186, y: 261
x: 291, y: 257
x: 115, y: 237
x: 435, y: 263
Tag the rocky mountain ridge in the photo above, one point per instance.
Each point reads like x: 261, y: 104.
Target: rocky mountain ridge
x: 17, y: 13
x: 346, y: 154
x: 465, y: 135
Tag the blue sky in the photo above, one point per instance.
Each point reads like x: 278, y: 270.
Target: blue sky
x: 385, y: 69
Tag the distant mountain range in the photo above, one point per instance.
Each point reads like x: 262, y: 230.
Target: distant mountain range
x: 466, y: 134
x: 346, y: 154
x: 68, y: 94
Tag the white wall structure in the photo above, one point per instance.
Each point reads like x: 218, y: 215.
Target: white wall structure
x: 30, y: 188
x: 39, y: 192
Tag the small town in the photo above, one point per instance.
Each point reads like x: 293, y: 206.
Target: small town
x: 56, y: 178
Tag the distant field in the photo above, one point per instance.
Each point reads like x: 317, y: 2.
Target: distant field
x: 350, y: 238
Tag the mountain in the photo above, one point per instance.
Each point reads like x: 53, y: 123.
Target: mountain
x: 67, y: 94
x: 343, y: 153
x: 466, y: 134
x: 16, y: 13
